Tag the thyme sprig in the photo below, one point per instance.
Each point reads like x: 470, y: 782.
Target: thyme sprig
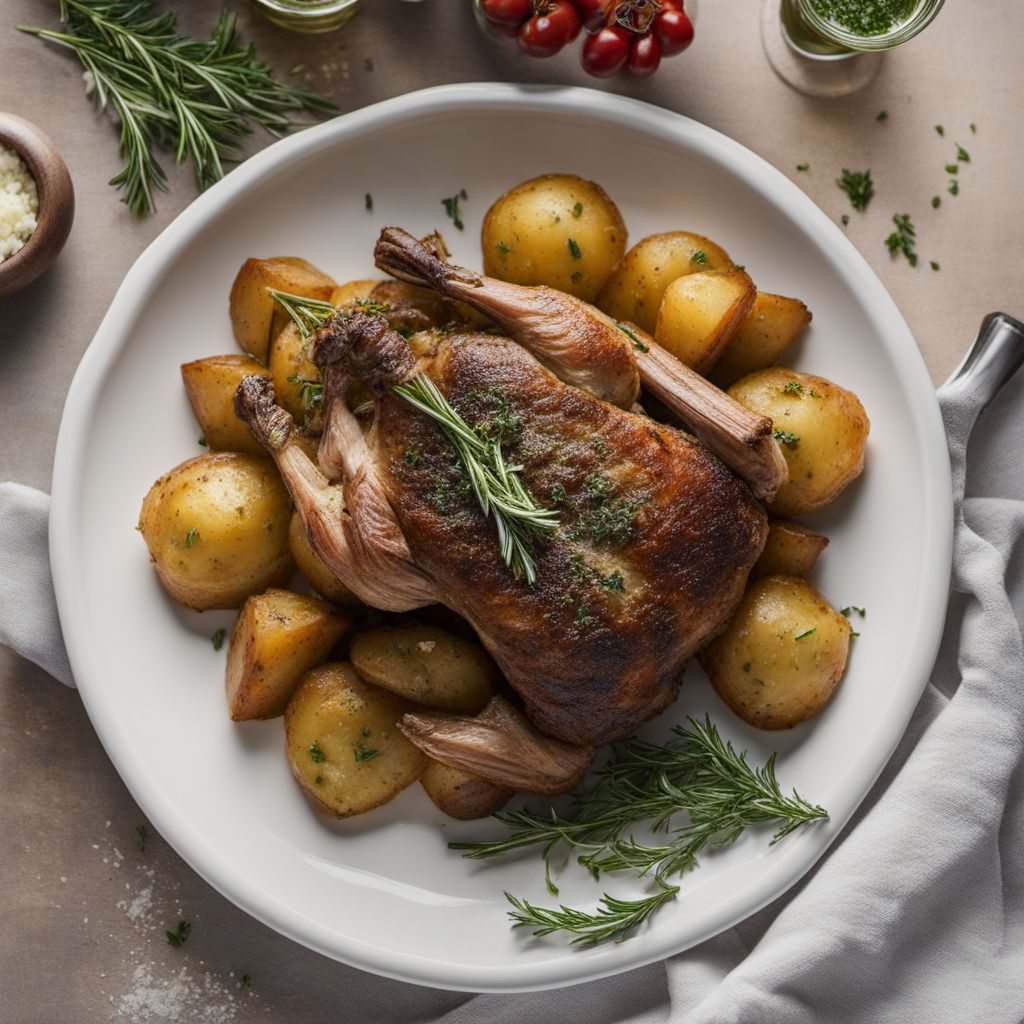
x: 197, y: 98
x: 696, y: 774
x: 498, y: 487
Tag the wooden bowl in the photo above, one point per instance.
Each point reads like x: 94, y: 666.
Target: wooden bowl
x: 56, y: 203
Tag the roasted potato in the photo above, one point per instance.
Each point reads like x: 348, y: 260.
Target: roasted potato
x: 634, y: 292
x: 278, y: 637
x: 782, y: 654
x: 791, y: 550
x: 211, y: 384
x: 426, y: 665
x: 764, y: 334
x: 461, y: 795
x: 350, y: 291
x: 289, y: 368
x: 255, y: 317
x: 321, y: 579
x: 558, y: 230
x: 217, y: 529
x: 700, y: 313
x: 344, y: 745
x: 822, y: 428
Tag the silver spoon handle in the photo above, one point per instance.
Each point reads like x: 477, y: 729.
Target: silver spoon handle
x: 995, y: 356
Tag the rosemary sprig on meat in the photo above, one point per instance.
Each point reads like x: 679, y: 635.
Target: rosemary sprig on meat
x: 197, y: 98
x: 308, y: 314
x: 696, y: 774
x: 498, y: 487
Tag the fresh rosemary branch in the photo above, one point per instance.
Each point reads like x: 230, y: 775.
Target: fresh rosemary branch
x: 308, y: 314
x: 498, y: 487
x: 696, y: 774
x: 199, y: 98
x: 615, y: 921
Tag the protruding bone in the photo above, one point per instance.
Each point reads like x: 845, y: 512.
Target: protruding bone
x: 500, y: 745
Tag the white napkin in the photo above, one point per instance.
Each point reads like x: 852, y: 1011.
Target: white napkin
x: 917, y: 915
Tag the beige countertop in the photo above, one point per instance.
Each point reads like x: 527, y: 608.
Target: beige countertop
x: 84, y: 908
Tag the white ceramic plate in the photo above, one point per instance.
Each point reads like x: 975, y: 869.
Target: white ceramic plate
x: 382, y: 891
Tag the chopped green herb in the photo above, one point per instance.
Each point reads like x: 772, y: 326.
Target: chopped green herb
x: 451, y: 207
x: 368, y: 200
x: 247, y: 980
x: 179, y: 935
x: 806, y: 633
x: 962, y: 155
x: 503, y: 248
x: 853, y: 608
x: 746, y: 666
x: 143, y: 836
x: 974, y: 128
x: 858, y: 186
x: 934, y: 265
x: 311, y: 392
x: 637, y: 343
x: 613, y: 582
x: 218, y: 639
x: 803, y: 167
x: 364, y: 753
x: 952, y: 168
x: 598, y: 486
x: 368, y: 64
x: 787, y: 437
x: 903, y: 238
x: 882, y: 116
x: 203, y: 443
x: 794, y: 387
x: 940, y: 129
x: 854, y: 634
x: 319, y: 780
x: 574, y: 249
x: 936, y: 202
x: 411, y: 456
x: 845, y: 219
x: 577, y: 210
x: 953, y: 188
x: 316, y: 755
x: 558, y: 495
x: 700, y: 257
x: 190, y: 537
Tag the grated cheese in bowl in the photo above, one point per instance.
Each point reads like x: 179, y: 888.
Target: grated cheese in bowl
x: 19, y: 203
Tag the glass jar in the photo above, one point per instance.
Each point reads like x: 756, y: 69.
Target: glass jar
x: 307, y: 15
x: 812, y: 34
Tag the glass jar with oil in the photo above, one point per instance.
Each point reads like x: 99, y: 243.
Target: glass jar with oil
x: 307, y: 15
x: 831, y: 29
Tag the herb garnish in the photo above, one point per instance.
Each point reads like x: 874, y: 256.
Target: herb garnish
x: 803, y: 167
x: 962, y: 155
x: 934, y: 265
x: 451, y: 207
x: 218, y: 638
x: 308, y: 314
x: 367, y: 63
x: 203, y: 443
x: 936, y: 202
x: 498, y: 487
x: 903, y: 238
x: 631, y: 334
x: 845, y: 219
x: 852, y: 608
x: 786, y: 437
x: 696, y: 773
x: 952, y: 168
x: 940, y: 129
x: 953, y: 188
x: 364, y: 753
x: 792, y: 387
x: 198, y: 98
x: 191, y: 536
x: 369, y: 202
x: 316, y: 755
x: 806, y: 633
x: 179, y: 935
x: 574, y: 249
x: 974, y: 128
x: 882, y: 116
x: 503, y: 248
x: 746, y: 666
x: 411, y: 456
x: 577, y: 210
x: 858, y: 186
x: 247, y: 980
x: 143, y: 833
x: 700, y: 257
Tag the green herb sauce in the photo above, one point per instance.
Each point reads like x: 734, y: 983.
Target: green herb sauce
x: 865, y: 17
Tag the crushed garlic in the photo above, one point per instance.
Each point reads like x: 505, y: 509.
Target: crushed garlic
x: 19, y: 203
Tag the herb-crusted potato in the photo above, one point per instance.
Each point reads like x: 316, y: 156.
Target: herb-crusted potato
x: 558, y: 230
x: 427, y: 665
x: 320, y: 578
x: 255, y: 317
x: 343, y: 742
x: 634, y: 292
x: 822, y: 428
x: 782, y: 654
x: 461, y: 795
x: 791, y: 550
x: 210, y: 385
x: 294, y: 375
x: 278, y: 637
x: 773, y: 324
x: 217, y: 529
x: 700, y: 313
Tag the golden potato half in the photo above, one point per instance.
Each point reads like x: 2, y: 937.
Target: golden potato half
x: 822, y: 428
x: 211, y: 384
x: 558, y: 230
x: 461, y: 795
x: 791, y: 550
x: 782, y: 654
x: 343, y: 742
x: 217, y: 529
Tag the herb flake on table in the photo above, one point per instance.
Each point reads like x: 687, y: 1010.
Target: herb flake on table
x: 451, y: 207
x: 143, y: 834
x: 953, y: 188
x: 903, y: 239
x: 936, y: 202
x: 940, y: 129
x: 368, y: 202
x: 218, y: 639
x: 858, y: 186
x: 882, y: 116
x: 962, y: 155
x: 178, y: 937
x: 803, y: 167
x: 934, y: 265
x: 196, y: 98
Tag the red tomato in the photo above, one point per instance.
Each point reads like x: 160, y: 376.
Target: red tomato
x: 673, y: 30
x: 593, y: 12
x: 605, y: 51
x: 644, y: 56
x: 547, y: 32
x: 507, y: 13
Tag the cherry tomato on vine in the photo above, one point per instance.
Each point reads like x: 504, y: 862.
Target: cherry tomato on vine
x: 644, y: 56
x: 554, y: 24
x: 605, y: 52
x: 673, y: 30
x: 593, y: 12
x: 507, y: 13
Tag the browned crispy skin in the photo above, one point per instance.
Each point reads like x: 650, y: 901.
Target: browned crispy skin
x: 653, y: 550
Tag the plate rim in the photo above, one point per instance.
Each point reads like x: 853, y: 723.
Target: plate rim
x: 681, y: 132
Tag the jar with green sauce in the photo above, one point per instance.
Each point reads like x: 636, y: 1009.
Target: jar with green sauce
x: 837, y: 28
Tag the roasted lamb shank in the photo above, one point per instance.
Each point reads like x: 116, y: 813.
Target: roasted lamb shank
x: 654, y: 542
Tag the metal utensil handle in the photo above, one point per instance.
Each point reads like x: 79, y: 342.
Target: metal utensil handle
x: 995, y: 356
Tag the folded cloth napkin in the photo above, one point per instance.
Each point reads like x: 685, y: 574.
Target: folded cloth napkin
x: 917, y: 915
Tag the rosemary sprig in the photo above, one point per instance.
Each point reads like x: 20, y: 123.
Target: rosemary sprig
x: 498, y: 487
x: 308, y: 314
x: 198, y: 98
x: 696, y: 774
